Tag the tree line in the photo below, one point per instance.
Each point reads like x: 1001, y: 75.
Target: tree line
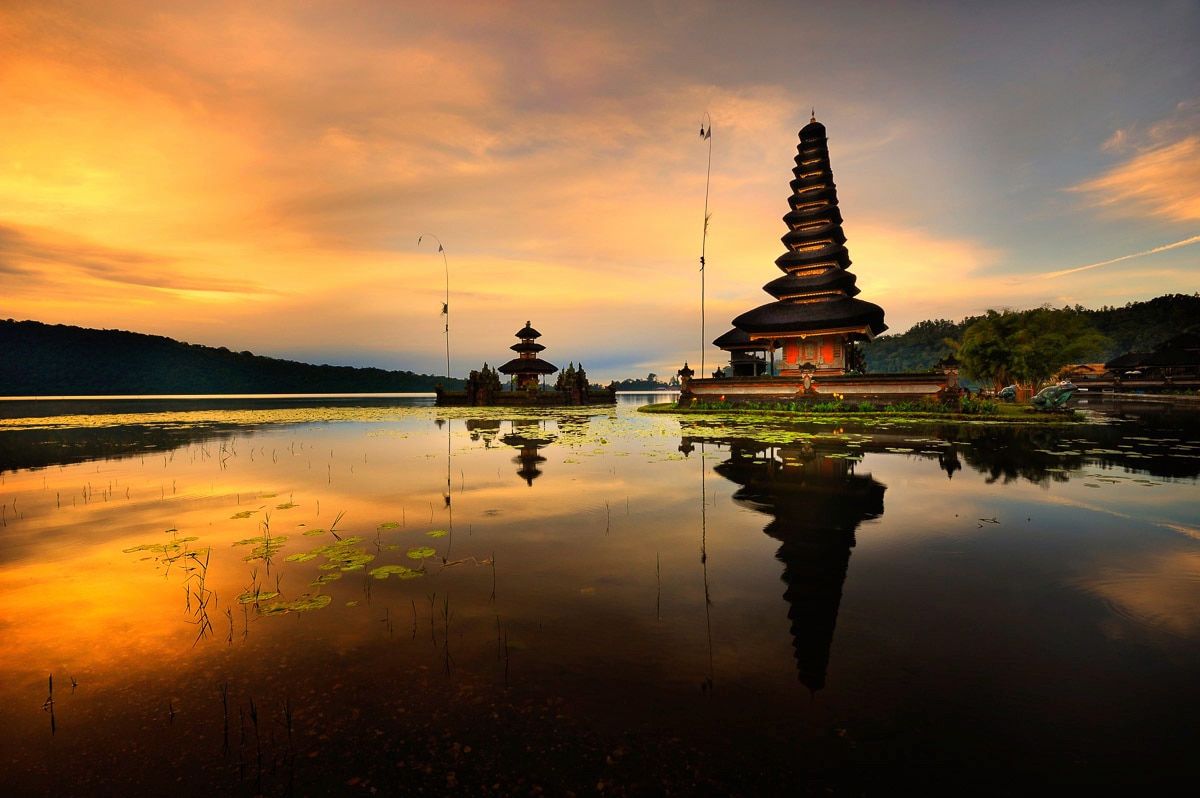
x: 39, y: 359
x: 1031, y: 346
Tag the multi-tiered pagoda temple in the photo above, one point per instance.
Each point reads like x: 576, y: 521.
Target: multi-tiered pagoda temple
x: 527, y: 369
x: 815, y: 317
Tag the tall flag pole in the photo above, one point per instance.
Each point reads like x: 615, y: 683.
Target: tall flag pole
x: 446, y: 304
x: 705, y: 135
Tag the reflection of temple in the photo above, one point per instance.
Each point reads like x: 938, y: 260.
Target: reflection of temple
x: 817, y: 503
x: 484, y: 430
x: 528, y: 436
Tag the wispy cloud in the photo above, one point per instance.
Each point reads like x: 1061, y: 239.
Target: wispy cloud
x: 1185, y: 242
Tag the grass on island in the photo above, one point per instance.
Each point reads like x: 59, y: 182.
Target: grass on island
x: 966, y: 409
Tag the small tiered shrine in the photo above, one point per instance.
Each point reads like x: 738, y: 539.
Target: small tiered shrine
x: 527, y: 369
x: 484, y: 389
x: 815, y: 318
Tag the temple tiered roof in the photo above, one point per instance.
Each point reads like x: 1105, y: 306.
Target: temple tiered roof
x: 527, y: 367
x: 816, y: 294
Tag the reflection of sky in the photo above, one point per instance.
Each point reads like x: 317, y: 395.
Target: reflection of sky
x: 596, y: 570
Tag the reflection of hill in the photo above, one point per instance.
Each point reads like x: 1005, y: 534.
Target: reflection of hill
x: 63, y: 431
x: 1158, y: 441
x: 816, y: 502
x: 1044, y: 454
x: 38, y: 448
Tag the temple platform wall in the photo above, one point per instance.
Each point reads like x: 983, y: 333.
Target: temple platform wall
x: 882, y: 388
x: 526, y: 399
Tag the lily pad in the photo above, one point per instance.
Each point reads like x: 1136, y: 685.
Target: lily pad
x: 388, y: 525
x: 384, y: 571
x: 255, y: 596
x: 436, y: 533
x: 299, y: 605
x: 421, y: 552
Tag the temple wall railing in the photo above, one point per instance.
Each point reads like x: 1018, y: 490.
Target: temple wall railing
x: 822, y: 388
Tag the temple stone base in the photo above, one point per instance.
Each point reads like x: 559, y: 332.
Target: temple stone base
x: 525, y: 398
x: 878, y: 388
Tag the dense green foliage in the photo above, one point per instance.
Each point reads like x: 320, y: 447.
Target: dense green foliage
x: 915, y: 351
x: 55, y: 360
x: 1027, y: 347
x: 1137, y: 326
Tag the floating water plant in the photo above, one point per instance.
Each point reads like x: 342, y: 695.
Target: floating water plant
x: 436, y: 533
x: 400, y: 571
x: 421, y: 552
x: 255, y: 596
x: 265, y: 547
x: 314, y: 602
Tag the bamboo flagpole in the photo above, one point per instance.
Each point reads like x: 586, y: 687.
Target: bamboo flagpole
x: 705, y: 135
x: 446, y: 304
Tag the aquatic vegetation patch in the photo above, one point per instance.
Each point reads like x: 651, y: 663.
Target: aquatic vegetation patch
x: 421, y: 552
x: 304, y: 604
x: 344, y: 555
x: 436, y: 533
x: 169, y: 547
x: 242, y: 514
x: 400, y: 571
x: 264, y: 547
x: 286, y: 506
x: 255, y: 596
x: 388, y: 525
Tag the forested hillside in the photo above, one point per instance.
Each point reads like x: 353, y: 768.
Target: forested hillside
x: 56, y: 360
x: 1137, y: 326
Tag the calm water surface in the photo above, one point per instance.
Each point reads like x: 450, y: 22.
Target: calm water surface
x: 291, y: 597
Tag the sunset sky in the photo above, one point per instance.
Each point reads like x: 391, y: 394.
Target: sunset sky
x: 257, y: 175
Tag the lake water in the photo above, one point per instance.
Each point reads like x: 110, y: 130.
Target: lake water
x: 371, y: 596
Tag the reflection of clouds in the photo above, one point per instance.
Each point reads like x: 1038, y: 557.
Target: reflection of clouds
x: 1151, y: 592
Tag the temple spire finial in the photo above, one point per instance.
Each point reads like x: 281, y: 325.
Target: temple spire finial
x: 814, y: 115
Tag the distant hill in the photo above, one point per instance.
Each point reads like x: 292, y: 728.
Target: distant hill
x: 56, y: 360
x: 1138, y: 326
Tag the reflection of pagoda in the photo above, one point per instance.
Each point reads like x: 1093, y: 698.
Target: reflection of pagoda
x: 817, y: 502
x: 528, y: 368
x: 528, y: 438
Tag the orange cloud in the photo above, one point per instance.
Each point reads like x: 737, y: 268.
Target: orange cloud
x: 1160, y: 175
